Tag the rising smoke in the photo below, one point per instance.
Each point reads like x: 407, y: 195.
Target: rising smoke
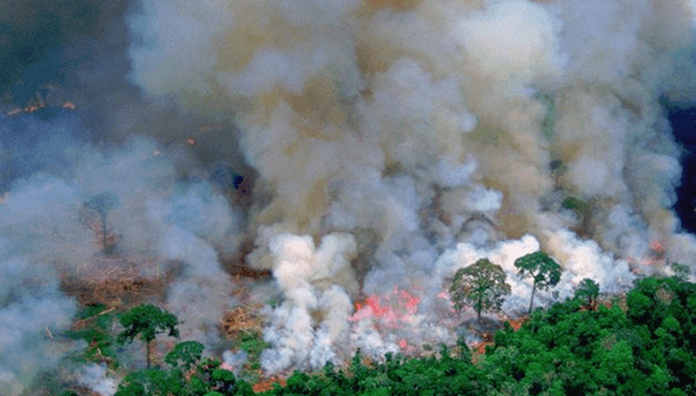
x: 390, y: 144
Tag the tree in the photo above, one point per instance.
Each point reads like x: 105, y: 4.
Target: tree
x: 481, y: 284
x: 185, y: 355
x: 558, y: 168
x: 150, y: 382
x: 681, y: 271
x: 588, y: 289
x: 102, y: 204
x: 147, y: 321
x: 545, y: 272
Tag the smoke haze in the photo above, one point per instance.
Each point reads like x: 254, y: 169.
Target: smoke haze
x: 359, y: 148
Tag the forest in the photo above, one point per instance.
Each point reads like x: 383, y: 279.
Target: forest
x: 642, y: 343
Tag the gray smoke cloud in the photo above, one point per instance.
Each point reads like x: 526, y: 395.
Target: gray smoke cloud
x: 94, y: 377
x: 388, y: 145
x: 30, y: 303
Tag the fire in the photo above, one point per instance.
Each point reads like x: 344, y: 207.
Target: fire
x: 655, y: 256
x: 657, y: 247
x: 37, y: 104
x: 392, y: 309
x: 31, y: 109
x: 227, y: 367
x: 14, y: 111
x: 191, y: 140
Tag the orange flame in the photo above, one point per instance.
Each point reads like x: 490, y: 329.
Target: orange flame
x: 390, y: 310
x: 657, y: 247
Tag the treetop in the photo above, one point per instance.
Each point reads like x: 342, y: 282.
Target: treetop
x: 543, y: 269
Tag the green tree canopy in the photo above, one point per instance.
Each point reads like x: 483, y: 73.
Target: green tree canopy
x: 481, y: 284
x: 587, y: 289
x: 146, y: 321
x: 185, y: 355
x: 544, y: 271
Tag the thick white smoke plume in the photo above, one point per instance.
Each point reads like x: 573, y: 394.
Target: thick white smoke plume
x: 407, y: 140
x: 94, y: 377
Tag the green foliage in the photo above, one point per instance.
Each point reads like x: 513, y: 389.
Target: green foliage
x: 253, y: 343
x: 665, y: 309
x: 151, y: 382
x: 185, y: 375
x: 185, y: 355
x: 223, y: 380
x: 577, y: 205
x: 544, y: 271
x: 681, y: 272
x: 96, y: 323
x: 396, y: 375
x: 275, y: 301
x: 563, y: 350
x: 482, y: 285
x: 146, y: 321
x: 588, y: 290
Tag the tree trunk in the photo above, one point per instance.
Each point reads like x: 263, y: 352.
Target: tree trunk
x: 478, y: 310
x: 103, y: 219
x: 531, y: 302
x: 147, y: 346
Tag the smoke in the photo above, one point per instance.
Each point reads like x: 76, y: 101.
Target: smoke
x: 432, y: 128
x: 314, y: 281
x: 389, y: 144
x: 30, y: 307
x: 47, y: 230
x: 201, y: 296
x: 511, y: 43
x: 94, y: 377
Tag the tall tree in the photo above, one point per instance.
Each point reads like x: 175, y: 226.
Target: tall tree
x: 102, y: 204
x: 146, y: 321
x: 545, y: 272
x: 481, y: 284
x: 588, y: 289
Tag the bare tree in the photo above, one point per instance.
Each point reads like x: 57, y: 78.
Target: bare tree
x: 102, y: 204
